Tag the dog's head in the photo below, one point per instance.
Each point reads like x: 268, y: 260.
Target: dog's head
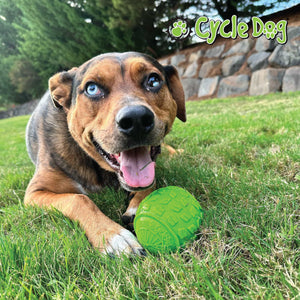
x: 119, y: 107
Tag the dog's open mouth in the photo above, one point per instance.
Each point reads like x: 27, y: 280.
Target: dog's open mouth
x: 135, y: 167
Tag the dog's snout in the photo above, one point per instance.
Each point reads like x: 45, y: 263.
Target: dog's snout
x: 135, y: 120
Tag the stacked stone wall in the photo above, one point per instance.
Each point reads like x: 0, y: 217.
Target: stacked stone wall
x: 253, y: 66
x: 227, y: 68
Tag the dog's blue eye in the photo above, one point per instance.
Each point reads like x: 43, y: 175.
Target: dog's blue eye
x: 92, y: 89
x: 153, y: 82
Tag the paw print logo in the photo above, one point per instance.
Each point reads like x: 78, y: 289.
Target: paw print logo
x: 178, y: 29
x: 270, y: 30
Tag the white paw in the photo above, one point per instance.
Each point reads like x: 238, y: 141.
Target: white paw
x: 131, y: 211
x: 124, y: 243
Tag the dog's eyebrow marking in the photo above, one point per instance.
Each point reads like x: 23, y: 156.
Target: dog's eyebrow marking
x: 121, y: 64
x: 118, y: 61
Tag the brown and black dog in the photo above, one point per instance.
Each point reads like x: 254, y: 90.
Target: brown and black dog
x: 105, y: 118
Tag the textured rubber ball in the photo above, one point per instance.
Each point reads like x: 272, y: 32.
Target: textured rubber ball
x: 167, y: 219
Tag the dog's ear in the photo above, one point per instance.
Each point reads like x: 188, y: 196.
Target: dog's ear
x: 176, y: 90
x: 60, y: 86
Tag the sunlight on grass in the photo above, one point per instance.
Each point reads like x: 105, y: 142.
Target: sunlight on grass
x: 241, y: 161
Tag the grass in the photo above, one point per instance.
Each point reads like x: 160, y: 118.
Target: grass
x: 241, y: 160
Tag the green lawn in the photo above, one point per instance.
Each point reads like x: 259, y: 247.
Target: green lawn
x: 241, y: 161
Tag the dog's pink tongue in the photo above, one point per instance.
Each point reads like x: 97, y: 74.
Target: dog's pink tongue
x: 137, y: 167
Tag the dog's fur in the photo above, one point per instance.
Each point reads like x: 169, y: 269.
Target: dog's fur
x: 74, y: 139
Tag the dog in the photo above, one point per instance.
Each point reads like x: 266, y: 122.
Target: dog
x: 101, y: 122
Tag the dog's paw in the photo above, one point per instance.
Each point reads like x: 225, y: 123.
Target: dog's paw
x: 123, y: 242
x: 128, y: 218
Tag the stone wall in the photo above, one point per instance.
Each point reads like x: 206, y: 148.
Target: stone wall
x: 253, y: 66
x: 230, y: 67
x: 20, y: 110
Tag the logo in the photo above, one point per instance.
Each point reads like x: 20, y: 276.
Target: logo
x: 270, y: 29
x: 179, y: 28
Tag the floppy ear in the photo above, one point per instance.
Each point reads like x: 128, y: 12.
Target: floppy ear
x: 176, y: 90
x: 60, y: 86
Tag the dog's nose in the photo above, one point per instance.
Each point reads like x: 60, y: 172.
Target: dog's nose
x: 135, y: 120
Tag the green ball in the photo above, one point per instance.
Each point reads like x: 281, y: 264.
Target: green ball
x: 167, y: 219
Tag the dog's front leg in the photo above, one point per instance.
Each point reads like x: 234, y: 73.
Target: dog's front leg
x: 103, y: 233
x: 136, y: 199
